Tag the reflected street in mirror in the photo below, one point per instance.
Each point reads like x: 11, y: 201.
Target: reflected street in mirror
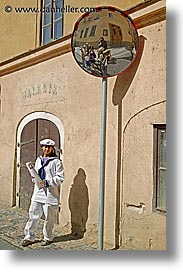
x: 104, y: 41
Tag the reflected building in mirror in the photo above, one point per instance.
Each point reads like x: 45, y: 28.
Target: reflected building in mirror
x: 104, y: 42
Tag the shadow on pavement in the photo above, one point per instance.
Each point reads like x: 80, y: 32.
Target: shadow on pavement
x: 68, y: 237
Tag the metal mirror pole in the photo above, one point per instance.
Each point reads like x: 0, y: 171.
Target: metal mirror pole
x: 102, y: 164
x: 84, y: 48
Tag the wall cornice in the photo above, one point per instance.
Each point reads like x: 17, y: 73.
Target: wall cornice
x: 144, y: 14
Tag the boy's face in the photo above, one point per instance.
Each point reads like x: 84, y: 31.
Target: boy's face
x: 47, y: 150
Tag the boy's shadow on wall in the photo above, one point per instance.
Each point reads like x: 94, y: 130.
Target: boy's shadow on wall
x: 78, y: 204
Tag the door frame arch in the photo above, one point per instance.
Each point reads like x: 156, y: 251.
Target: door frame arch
x: 35, y: 115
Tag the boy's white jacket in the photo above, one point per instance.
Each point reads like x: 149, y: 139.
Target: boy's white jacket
x: 55, y: 176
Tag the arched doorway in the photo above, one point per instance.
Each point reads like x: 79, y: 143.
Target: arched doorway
x: 31, y: 130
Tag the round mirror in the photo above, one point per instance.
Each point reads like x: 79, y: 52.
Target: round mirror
x: 104, y: 41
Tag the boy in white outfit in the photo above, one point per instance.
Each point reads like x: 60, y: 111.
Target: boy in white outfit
x: 45, y: 200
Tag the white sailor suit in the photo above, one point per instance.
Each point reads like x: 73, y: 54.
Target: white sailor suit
x: 45, y: 200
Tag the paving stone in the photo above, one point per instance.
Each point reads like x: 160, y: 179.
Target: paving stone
x: 12, y: 225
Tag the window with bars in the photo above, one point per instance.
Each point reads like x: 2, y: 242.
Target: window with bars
x: 52, y: 20
x: 160, y: 168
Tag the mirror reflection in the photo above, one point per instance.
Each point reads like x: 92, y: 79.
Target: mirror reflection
x: 104, y: 42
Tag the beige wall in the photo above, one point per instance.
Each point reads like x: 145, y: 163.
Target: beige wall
x: 143, y: 106
x: 71, y: 18
x: 20, y: 32
x: 78, y: 108
x: 76, y: 101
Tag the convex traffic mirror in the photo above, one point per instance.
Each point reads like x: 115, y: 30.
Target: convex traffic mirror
x: 104, y: 42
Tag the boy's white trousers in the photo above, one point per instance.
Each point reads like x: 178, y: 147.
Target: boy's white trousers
x: 36, y: 210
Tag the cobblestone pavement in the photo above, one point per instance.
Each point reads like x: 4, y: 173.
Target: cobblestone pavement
x: 12, y: 225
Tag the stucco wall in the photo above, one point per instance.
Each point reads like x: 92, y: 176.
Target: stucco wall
x: 143, y: 106
x: 136, y: 100
x: 20, y: 31
x: 71, y: 18
x: 75, y: 98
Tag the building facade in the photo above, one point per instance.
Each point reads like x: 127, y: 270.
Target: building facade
x: 44, y: 93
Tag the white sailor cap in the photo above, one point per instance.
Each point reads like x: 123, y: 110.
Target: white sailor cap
x: 48, y: 142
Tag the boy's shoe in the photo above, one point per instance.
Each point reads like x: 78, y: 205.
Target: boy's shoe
x: 45, y: 242
x: 26, y: 242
